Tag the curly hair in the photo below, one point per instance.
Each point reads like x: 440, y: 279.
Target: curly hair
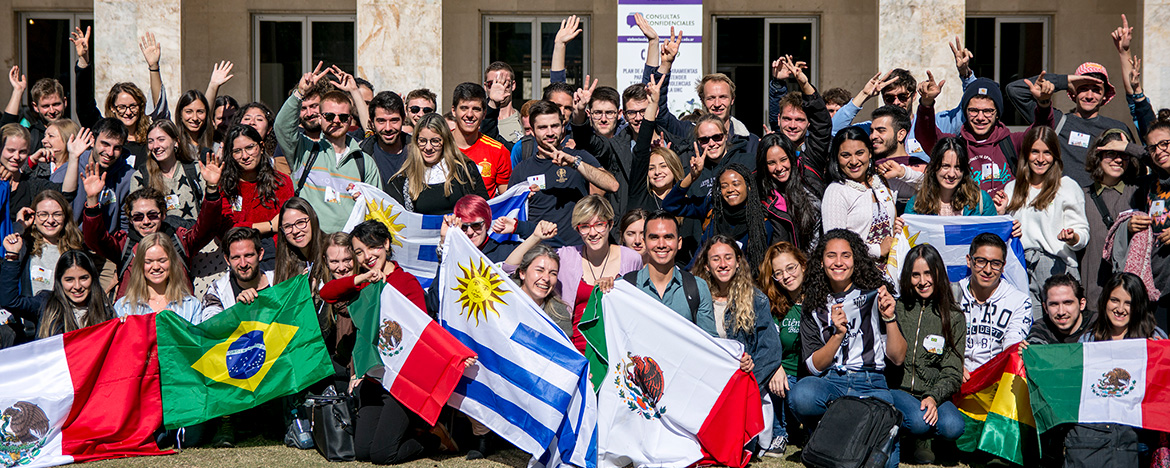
x: 806, y: 214
x: 780, y: 299
x: 741, y: 291
x: 866, y: 275
x: 757, y: 235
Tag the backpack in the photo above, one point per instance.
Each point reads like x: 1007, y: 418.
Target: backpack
x: 1009, y: 153
x: 1098, y: 445
x: 690, y: 289
x: 854, y: 432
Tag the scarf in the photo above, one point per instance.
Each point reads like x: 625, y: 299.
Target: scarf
x: 734, y: 222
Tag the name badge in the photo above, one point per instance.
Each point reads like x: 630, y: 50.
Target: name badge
x: 933, y: 344
x: 538, y: 181
x: 172, y: 202
x: 238, y: 203
x: 331, y: 196
x: 1158, y: 208
x: 40, y: 274
x: 1079, y: 139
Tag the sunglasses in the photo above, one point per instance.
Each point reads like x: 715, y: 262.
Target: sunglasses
x: 330, y: 117
x: 718, y: 137
x: 904, y: 97
x: 417, y: 109
x: 475, y: 227
x: 151, y: 215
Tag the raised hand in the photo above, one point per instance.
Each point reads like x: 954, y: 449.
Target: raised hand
x: 94, y: 181
x: 929, y: 89
x: 545, y: 230
x: 582, y: 96
x: 221, y: 73
x: 875, y: 85
x: 505, y: 225
x: 654, y: 88
x: 497, y: 92
x: 309, y: 79
x: 25, y: 216
x: 79, y: 142
x: 796, y: 70
x: 1135, y: 74
x: 670, y: 46
x: 151, y: 50
x: 779, y: 70
x: 13, y: 243
x: 647, y: 30
x: 963, y: 58
x: 1042, y: 89
x: 213, y: 169
x: 570, y: 29
x: 18, y: 81
x: 80, y: 42
x: 344, y: 81
x: 1122, y: 36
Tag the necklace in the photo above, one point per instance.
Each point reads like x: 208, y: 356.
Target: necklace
x: 604, y: 263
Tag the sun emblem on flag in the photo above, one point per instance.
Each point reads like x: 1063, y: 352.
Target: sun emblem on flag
x: 1114, y: 384
x: 389, y: 337
x: 24, y: 429
x: 385, y: 215
x: 479, y: 290
x: 639, y: 382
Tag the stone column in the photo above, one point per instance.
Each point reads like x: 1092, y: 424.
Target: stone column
x: 1155, y: 52
x: 913, y: 34
x: 119, y: 24
x: 400, y: 44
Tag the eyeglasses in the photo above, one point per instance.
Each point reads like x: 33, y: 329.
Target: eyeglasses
x: 610, y: 114
x: 436, y: 142
x: 1163, y: 145
x: 1117, y: 155
x: 474, y: 227
x: 138, y: 217
x: 121, y: 109
x: 45, y: 215
x: 417, y: 109
x: 247, y: 149
x: 718, y: 137
x: 988, y: 112
x: 790, y: 270
x: 330, y: 117
x: 892, y: 98
x: 981, y: 263
x: 600, y: 226
x: 298, y: 225
x: 631, y: 113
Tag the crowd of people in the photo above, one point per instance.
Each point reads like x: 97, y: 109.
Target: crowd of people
x: 776, y: 241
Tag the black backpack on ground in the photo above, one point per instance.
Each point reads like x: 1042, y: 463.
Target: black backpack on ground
x: 854, y: 432
x: 1100, y: 445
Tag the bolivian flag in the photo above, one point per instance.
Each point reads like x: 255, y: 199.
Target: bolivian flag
x: 994, y: 402
x: 242, y: 357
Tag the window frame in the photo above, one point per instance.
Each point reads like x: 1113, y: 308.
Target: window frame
x: 1046, y: 47
x: 75, y: 19
x: 534, y: 64
x: 306, y: 40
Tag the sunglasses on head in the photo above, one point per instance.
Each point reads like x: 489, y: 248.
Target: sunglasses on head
x: 416, y: 109
x: 151, y: 215
x: 330, y: 117
x: 718, y: 137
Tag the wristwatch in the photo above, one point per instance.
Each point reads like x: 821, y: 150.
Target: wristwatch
x: 577, y: 163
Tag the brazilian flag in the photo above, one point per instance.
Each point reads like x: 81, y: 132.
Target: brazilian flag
x: 242, y: 357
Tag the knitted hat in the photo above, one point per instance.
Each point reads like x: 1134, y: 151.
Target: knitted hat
x: 983, y: 87
x: 1093, y: 67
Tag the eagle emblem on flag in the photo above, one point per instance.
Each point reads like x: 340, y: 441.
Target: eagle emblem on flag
x: 389, y: 337
x: 1114, y: 383
x: 24, y: 429
x: 639, y: 380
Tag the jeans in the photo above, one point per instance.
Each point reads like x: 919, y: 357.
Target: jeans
x: 810, y: 397
x: 781, y: 410
x: 950, y: 422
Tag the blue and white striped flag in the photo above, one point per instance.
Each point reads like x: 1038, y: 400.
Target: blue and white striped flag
x: 416, y: 236
x: 531, y: 385
x: 952, y: 236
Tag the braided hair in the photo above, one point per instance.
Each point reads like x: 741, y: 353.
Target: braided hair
x: 757, y: 235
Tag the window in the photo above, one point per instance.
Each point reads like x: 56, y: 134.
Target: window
x: 286, y: 47
x: 45, y: 50
x: 511, y: 39
x: 739, y: 54
x: 1008, y: 48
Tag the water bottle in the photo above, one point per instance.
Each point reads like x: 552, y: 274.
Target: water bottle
x: 304, y: 436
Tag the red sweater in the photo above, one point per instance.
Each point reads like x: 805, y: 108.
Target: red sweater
x: 344, y: 289
x: 244, y: 208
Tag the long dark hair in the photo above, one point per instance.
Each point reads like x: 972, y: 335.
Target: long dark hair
x: 266, y: 177
x: 804, y: 212
x: 291, y: 261
x: 1050, y: 181
x: 201, y: 137
x: 1096, y: 154
x: 270, y: 137
x: 967, y: 194
x: 757, y: 240
x: 58, y: 309
x: 942, y: 300
x: 866, y: 276
x: 155, y: 177
x: 1141, y: 318
x: 853, y: 133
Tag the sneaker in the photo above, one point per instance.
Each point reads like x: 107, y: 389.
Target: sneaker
x: 923, y: 455
x: 225, y: 435
x: 777, y: 448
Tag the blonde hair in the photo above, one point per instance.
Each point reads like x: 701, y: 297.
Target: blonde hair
x: 672, y: 162
x: 590, y: 206
x: 137, y: 291
x: 459, y: 166
x: 66, y: 128
x: 741, y: 291
x: 710, y: 77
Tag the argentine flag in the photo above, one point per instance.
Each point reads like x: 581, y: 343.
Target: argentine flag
x: 952, y: 236
x: 531, y: 385
x: 416, y: 236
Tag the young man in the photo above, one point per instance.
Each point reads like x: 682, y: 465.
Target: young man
x: 888, y: 132
x: 801, y: 113
x: 47, y: 103
x: 500, y: 74
x: 322, y: 170
x: 835, y: 99
x: 998, y: 314
x: 1089, y: 90
x: 663, y: 280
x: 388, y: 143
x: 558, y: 175
x: 495, y: 163
x: 242, y: 251
x: 109, y: 136
x: 419, y: 102
x: 1065, y: 317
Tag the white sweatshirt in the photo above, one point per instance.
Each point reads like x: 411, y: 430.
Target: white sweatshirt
x: 994, y: 325
x: 844, y: 206
x: 1040, y: 228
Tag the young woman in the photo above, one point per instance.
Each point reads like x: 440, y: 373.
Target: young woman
x: 537, y: 275
x: 787, y: 201
x: 158, y: 282
x: 435, y: 172
x: 17, y: 189
x: 473, y: 216
x: 630, y: 229
x: 936, y: 332
x: 583, y: 266
x: 845, y: 295
x: 253, y: 189
x: 339, y: 254
x: 68, y: 305
x: 171, y: 170
x: 659, y: 166
x: 300, y: 249
x: 1125, y: 312
x: 49, y: 231
x: 125, y: 101
x: 224, y: 108
x: 1154, y: 198
x: 1051, y: 210
x: 1112, y: 162
x: 947, y: 188
x: 782, y: 281
x: 191, y: 116
x: 54, y: 153
x: 259, y: 117
x: 733, y: 211
x: 857, y: 198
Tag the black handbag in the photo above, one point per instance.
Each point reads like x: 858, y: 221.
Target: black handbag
x: 332, y: 426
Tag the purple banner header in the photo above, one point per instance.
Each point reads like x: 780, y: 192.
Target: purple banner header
x: 660, y: 2
x: 643, y: 38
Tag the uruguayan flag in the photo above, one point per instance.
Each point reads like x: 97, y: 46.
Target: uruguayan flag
x: 952, y: 236
x: 416, y: 236
x: 531, y: 385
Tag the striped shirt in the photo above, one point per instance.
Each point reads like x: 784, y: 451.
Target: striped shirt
x: 864, y: 345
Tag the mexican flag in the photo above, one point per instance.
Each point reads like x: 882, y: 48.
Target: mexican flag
x: 90, y: 394
x: 242, y: 357
x: 415, y: 358
x: 672, y: 395
x: 1123, y: 382
x: 994, y: 402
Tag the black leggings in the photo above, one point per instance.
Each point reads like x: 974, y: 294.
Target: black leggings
x: 384, y: 431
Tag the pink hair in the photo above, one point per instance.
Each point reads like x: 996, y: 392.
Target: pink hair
x: 473, y: 206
